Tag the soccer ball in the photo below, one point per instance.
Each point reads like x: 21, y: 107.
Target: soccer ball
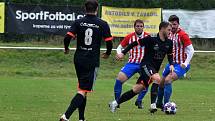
x: 170, y: 108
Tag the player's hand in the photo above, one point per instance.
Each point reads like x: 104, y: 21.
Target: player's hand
x: 171, y: 68
x: 183, y: 65
x: 66, y: 51
x: 104, y: 55
x: 119, y: 56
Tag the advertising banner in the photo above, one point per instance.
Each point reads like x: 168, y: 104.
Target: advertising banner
x: 2, y: 10
x: 41, y: 19
x: 198, y: 24
x: 121, y: 20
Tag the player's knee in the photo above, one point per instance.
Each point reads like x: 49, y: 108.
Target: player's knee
x: 168, y: 79
x: 138, y: 88
x: 157, y: 80
x: 122, y: 77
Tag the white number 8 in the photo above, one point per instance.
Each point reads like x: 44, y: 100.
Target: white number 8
x: 88, y: 36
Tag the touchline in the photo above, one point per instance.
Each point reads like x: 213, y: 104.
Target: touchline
x: 46, y: 15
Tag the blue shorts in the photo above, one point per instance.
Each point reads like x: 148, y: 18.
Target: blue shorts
x: 178, y: 70
x: 130, y: 69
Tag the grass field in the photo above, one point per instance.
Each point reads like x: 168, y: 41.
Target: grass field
x: 37, y: 85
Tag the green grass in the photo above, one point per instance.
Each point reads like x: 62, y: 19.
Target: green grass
x: 37, y: 85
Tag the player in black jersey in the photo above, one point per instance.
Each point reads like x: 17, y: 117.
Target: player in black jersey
x: 156, y: 48
x: 89, y: 31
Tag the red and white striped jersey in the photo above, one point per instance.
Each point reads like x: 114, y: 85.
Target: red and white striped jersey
x: 135, y: 54
x: 180, y: 41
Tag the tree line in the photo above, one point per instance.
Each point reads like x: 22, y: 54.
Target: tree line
x: 166, y: 4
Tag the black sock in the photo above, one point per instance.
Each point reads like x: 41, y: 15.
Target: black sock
x: 81, y: 109
x: 126, y: 96
x: 154, y: 92
x: 75, y: 103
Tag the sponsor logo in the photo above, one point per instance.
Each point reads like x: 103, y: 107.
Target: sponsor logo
x: 46, y: 15
x: 89, y: 25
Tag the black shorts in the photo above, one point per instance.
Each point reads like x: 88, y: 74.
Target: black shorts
x: 86, y: 73
x: 145, y: 75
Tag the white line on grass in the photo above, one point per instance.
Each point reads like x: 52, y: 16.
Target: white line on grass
x: 51, y: 48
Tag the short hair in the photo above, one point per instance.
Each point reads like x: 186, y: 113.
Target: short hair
x: 163, y: 24
x: 138, y: 21
x: 174, y: 18
x: 91, y: 6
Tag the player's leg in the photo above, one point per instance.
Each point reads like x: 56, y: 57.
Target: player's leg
x: 152, y: 74
x: 86, y: 74
x: 154, y: 91
x: 126, y: 72
x: 76, y: 102
x: 126, y: 96
x: 166, y: 71
x: 81, y: 109
x: 178, y: 73
x: 159, y: 102
x: 140, y: 97
x: 168, y: 86
x: 118, y: 84
x: 87, y: 86
x: 140, y: 85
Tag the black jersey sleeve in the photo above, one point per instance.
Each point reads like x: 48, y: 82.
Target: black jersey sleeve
x: 144, y: 41
x: 73, y: 28
x: 170, y: 53
x: 70, y: 34
x: 109, y: 46
x: 67, y: 39
x: 106, y: 32
x: 129, y: 46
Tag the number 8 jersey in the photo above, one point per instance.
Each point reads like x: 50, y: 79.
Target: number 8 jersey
x: 89, y: 31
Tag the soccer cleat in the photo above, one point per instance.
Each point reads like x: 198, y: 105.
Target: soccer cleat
x: 139, y: 104
x: 63, y: 118
x: 113, y: 105
x: 153, y: 108
x: 82, y: 120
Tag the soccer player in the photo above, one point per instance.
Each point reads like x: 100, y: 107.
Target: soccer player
x: 133, y: 65
x: 183, y: 52
x: 89, y: 32
x: 156, y: 49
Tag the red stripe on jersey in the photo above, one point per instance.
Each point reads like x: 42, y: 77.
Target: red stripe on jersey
x: 180, y: 41
x: 178, y: 49
x: 136, y: 53
x: 183, y: 55
x: 141, y: 53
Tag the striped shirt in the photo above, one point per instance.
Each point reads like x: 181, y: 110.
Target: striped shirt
x: 180, y: 41
x: 136, y: 53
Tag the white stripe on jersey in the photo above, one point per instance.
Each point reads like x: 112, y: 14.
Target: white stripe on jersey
x: 136, y: 53
x: 178, y: 49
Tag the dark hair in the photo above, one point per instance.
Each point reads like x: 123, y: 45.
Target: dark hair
x: 163, y: 24
x: 138, y: 21
x: 91, y: 6
x: 173, y: 18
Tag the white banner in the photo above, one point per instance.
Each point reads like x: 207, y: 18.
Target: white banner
x: 198, y: 24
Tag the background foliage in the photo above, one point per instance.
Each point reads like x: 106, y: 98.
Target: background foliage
x: 166, y: 4
x: 200, y: 44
